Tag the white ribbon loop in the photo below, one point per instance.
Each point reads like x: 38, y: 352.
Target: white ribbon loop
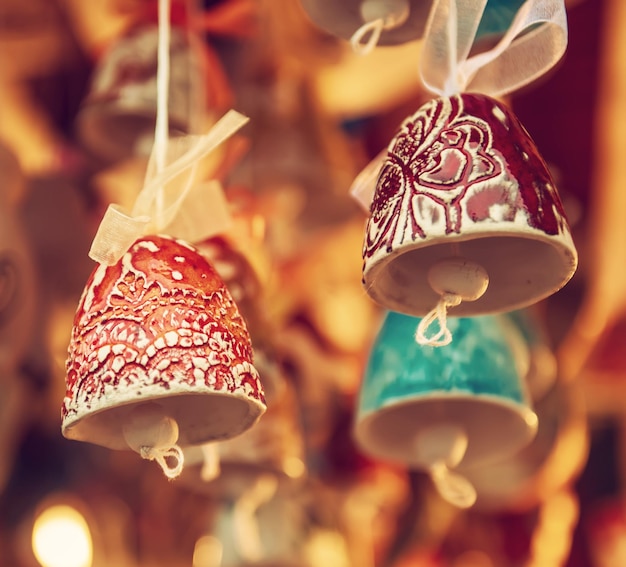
x: 534, y: 43
x: 170, y: 201
x: 116, y: 233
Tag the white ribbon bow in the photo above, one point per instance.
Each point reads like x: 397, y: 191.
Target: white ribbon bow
x: 533, y: 44
x: 171, y: 201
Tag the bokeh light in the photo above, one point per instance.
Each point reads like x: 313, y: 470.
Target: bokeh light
x: 61, y: 538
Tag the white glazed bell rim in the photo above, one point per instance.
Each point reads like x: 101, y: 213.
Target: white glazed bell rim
x: 343, y: 18
x: 525, y: 267
x: 202, y: 415
x: 496, y: 427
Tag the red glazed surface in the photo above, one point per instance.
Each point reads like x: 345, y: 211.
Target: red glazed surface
x: 161, y: 317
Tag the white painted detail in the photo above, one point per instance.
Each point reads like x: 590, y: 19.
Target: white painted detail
x: 200, y: 362
x: 148, y: 245
x: 171, y: 338
x: 200, y: 339
x: 103, y: 352
x: 118, y: 363
x: 98, y: 276
x: 198, y: 374
x: 118, y: 348
x: 163, y: 364
x: 497, y: 112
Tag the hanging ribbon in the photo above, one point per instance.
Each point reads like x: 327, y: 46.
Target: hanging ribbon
x: 364, y: 185
x: 211, y: 467
x: 534, y: 43
x: 233, y: 19
x: 379, y: 16
x: 171, y: 198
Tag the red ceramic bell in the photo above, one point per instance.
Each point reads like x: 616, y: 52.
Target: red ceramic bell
x: 159, y: 355
x: 244, y: 285
x: 465, y: 213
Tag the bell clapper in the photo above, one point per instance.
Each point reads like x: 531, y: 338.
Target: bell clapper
x: 153, y: 434
x: 378, y: 16
x: 211, y: 468
x: 442, y: 447
x: 455, y: 280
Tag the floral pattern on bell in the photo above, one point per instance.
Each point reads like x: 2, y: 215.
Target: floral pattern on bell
x: 463, y: 179
x: 446, y: 169
x: 159, y: 322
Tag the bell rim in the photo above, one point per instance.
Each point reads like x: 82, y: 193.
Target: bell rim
x: 561, y: 244
x: 524, y: 418
x: 81, y: 426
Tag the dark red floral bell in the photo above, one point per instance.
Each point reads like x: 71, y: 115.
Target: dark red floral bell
x: 465, y: 215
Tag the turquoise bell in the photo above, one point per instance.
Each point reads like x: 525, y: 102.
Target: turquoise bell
x: 455, y: 406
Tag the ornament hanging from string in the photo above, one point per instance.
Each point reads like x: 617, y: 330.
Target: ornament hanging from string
x: 464, y: 213
x: 368, y: 23
x: 160, y: 356
x: 445, y: 410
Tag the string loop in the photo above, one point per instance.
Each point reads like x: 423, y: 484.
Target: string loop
x: 440, y: 315
x: 161, y: 454
x: 374, y: 29
x: 379, y: 16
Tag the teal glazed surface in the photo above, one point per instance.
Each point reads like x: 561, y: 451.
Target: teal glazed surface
x: 479, y: 361
x: 497, y: 17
